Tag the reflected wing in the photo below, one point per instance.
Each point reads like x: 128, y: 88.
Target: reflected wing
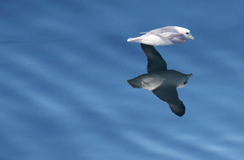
x: 155, y: 61
x: 170, y: 95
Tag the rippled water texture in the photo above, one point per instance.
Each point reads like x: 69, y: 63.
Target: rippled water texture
x: 64, y: 95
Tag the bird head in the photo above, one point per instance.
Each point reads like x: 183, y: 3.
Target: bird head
x: 185, y: 32
x: 184, y: 80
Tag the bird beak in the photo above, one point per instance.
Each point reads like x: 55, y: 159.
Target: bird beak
x: 191, y: 37
x: 189, y: 75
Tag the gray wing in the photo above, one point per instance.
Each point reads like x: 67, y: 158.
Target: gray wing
x: 169, y: 94
x: 155, y: 61
x: 171, y: 34
x: 164, y: 30
x: 176, y: 38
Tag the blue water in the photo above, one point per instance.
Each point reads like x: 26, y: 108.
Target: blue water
x: 63, y: 89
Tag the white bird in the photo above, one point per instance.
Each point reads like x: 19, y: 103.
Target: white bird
x: 160, y: 81
x: 164, y: 36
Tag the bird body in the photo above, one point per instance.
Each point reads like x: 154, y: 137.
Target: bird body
x: 164, y: 36
x: 153, y: 80
x: 150, y: 39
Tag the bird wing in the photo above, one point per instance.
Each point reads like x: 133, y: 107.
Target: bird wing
x: 176, y: 38
x: 169, y: 94
x: 155, y: 61
x: 171, y: 34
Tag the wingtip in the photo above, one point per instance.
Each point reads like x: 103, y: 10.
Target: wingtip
x: 179, y: 113
x: 179, y: 110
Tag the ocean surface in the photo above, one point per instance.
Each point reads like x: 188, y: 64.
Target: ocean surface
x: 63, y: 90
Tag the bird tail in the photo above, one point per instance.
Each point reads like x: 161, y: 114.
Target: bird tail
x: 137, y: 40
x: 135, y: 83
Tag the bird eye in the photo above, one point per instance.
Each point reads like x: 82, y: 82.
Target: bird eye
x: 185, y: 82
x: 187, y: 32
